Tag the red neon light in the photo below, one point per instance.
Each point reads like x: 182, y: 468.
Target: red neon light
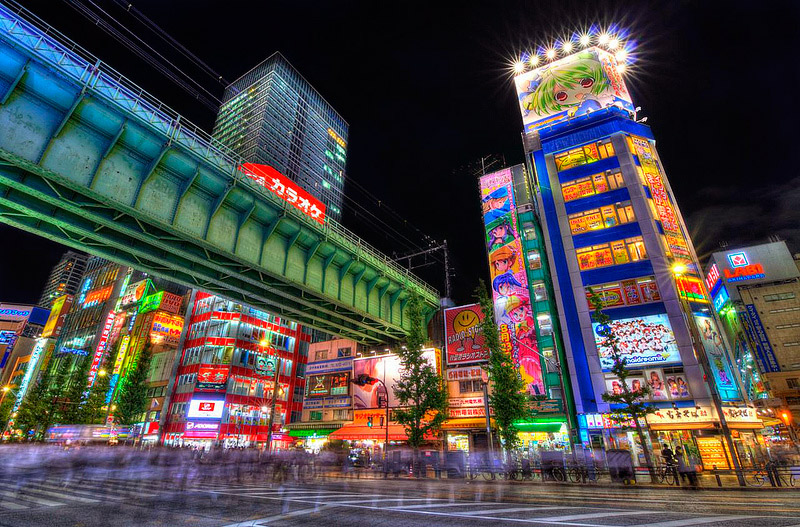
x: 101, y: 347
x: 712, y: 277
x: 743, y: 273
x: 286, y: 189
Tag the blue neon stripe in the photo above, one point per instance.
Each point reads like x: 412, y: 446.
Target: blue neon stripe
x: 617, y: 272
x: 610, y: 234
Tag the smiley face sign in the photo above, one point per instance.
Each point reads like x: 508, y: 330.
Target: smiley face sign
x: 464, y: 341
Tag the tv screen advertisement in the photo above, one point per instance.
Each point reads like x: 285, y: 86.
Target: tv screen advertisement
x: 643, y: 341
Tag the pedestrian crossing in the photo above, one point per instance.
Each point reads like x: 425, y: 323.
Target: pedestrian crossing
x: 296, y: 502
x: 52, y: 492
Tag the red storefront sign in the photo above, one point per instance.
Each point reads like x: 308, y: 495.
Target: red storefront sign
x: 285, y: 188
x: 101, y: 347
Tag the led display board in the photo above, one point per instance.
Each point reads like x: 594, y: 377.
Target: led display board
x: 329, y: 384
x: 464, y: 342
x: 643, y: 341
x: 286, y: 189
x: 387, y: 368
x: 201, y: 430
x: 717, y: 355
x: 61, y: 305
x: 212, y: 378
x: 135, y: 292
x: 578, y: 84
x: 205, y: 408
x: 512, y: 303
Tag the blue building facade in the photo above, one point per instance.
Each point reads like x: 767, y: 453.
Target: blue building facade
x: 271, y: 115
x: 612, y: 228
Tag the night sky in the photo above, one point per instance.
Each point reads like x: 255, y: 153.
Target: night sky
x: 426, y: 90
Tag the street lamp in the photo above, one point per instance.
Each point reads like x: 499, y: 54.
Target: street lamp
x: 679, y: 269
x: 363, y: 380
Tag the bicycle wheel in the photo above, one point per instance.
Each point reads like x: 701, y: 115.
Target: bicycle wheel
x: 488, y: 474
x: 575, y: 474
x: 472, y: 472
x: 669, y: 476
x: 559, y: 474
x: 758, y: 479
x: 794, y: 479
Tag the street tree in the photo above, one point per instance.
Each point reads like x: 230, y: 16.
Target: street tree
x: 74, y: 394
x: 629, y: 405
x: 93, y: 410
x: 132, y: 399
x: 35, y: 414
x: 508, y: 400
x: 58, y: 386
x: 420, y: 391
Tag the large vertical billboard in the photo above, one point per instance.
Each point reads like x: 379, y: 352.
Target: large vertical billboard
x: 464, y: 342
x: 583, y: 82
x: 388, y: 369
x: 512, y: 302
x: 717, y: 355
x: 58, y: 313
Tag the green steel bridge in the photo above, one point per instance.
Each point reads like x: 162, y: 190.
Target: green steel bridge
x: 90, y: 160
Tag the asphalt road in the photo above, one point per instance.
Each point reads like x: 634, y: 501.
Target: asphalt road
x: 52, y: 501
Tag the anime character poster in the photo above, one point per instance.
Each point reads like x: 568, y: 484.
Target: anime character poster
x: 583, y: 82
x: 388, y: 369
x: 717, y: 355
x: 512, y: 303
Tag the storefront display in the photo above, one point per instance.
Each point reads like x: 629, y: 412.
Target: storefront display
x: 713, y: 453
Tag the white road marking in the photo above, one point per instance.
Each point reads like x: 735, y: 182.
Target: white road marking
x: 374, y: 500
x: 265, y: 521
x: 513, y: 509
x: 12, y: 506
x: 451, y: 504
x: 21, y: 497
x: 696, y: 521
x: 61, y: 495
x: 606, y: 514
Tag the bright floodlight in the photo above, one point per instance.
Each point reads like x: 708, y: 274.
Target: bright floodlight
x: 621, y: 68
x: 678, y: 269
x: 551, y: 53
x: 621, y: 55
x: 585, y: 40
x: 534, y: 60
x: 604, y: 38
x: 613, y: 43
x: 519, y: 66
x: 567, y: 46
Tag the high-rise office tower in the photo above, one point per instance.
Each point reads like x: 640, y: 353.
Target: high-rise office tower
x: 64, y: 278
x: 612, y: 227
x: 271, y: 115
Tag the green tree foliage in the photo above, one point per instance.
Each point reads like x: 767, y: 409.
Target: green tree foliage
x: 35, y: 413
x: 58, y: 386
x: 420, y: 391
x: 93, y: 410
x: 508, y: 400
x: 132, y: 398
x: 73, y: 396
x: 6, y: 406
x: 631, y: 404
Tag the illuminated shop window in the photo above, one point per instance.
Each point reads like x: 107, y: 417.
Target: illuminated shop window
x: 545, y: 324
x: 591, y: 185
x: 613, y: 253
x: 584, y: 155
x: 601, y: 218
x: 529, y: 230
x: 629, y: 292
x: 534, y: 260
x: 539, y: 291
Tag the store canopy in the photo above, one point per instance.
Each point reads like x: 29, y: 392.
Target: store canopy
x: 354, y: 432
x: 322, y: 432
x: 533, y: 426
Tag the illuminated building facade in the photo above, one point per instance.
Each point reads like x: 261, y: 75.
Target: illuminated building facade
x: 524, y: 309
x: 65, y: 277
x: 755, y: 290
x: 20, y: 327
x: 273, y: 116
x: 611, y: 224
x: 221, y: 391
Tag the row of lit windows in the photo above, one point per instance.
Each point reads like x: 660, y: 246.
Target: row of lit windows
x: 779, y: 296
x: 601, y: 218
x: 631, y: 292
x: 612, y: 253
x: 591, y: 185
x: 584, y: 155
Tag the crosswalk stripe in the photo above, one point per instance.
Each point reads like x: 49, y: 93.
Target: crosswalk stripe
x: 606, y: 514
x: 266, y: 521
x: 373, y: 500
x: 513, y: 509
x: 695, y: 521
x: 432, y: 505
x: 60, y: 495
x: 83, y: 491
x: 25, y: 497
x: 12, y: 506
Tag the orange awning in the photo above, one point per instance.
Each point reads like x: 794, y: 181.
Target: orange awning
x: 378, y: 433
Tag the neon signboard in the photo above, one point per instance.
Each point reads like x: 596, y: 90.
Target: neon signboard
x: 97, y: 296
x: 286, y: 189
x: 691, y: 288
x: 101, y: 347
x: 201, y: 430
x: 738, y: 259
x: 712, y: 277
x: 464, y: 342
x: 747, y: 271
x: 167, y: 328
x: 721, y: 298
x: 36, y: 353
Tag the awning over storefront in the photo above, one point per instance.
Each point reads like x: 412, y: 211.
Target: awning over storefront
x: 322, y: 432
x: 465, y: 424
x: 378, y: 433
x: 540, y: 426
x: 753, y: 425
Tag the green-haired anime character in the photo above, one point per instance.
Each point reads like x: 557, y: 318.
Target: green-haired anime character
x: 579, y: 85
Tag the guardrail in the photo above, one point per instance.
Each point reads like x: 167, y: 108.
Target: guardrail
x: 75, y: 62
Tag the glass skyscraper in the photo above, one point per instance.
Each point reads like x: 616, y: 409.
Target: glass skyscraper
x: 273, y: 116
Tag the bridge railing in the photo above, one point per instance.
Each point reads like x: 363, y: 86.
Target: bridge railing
x: 71, y: 59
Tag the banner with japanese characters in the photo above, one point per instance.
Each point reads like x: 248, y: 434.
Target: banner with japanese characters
x: 286, y: 189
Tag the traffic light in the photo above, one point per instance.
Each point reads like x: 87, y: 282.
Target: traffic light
x: 369, y: 421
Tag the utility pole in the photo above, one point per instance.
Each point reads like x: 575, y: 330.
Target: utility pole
x: 272, y: 404
x: 434, y: 248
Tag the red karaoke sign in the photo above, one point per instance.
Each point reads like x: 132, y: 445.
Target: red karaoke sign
x: 285, y: 188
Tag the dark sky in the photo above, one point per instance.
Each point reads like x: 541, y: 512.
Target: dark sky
x: 425, y: 89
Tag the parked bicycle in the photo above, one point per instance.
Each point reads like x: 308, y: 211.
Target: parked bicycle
x: 667, y: 473
x: 780, y: 477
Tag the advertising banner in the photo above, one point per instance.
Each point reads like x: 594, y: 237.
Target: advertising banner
x: 463, y: 374
x: 201, y: 430
x: 14, y: 312
x: 673, y: 416
x: 212, y: 378
x: 328, y: 384
x: 757, y: 333
x: 327, y: 366
x: 460, y: 413
x: 717, y: 355
x: 387, y: 368
x: 286, y: 189
x: 204, y: 407
x: 464, y: 341
x: 101, y: 347
x: 465, y: 402
x: 135, y: 292
x: 644, y: 341
x: 61, y: 305
x: 512, y: 303
x: 166, y: 328
x: 573, y: 86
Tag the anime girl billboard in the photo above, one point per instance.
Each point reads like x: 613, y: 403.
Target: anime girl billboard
x: 575, y: 85
x: 512, y: 305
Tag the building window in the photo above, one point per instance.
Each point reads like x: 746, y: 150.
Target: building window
x: 784, y: 310
x: 545, y: 324
x: 534, y: 260
x: 778, y: 296
x: 341, y: 415
x: 787, y: 326
x: 790, y: 344
x: 316, y: 416
x: 529, y: 230
x: 602, y: 218
x: 793, y: 383
x: 614, y: 253
x: 344, y: 352
x: 627, y: 292
x: 584, y: 155
x: 589, y: 186
x: 470, y: 386
x: 539, y: 291
x: 321, y: 355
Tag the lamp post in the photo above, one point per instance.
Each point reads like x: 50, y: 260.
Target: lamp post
x: 700, y: 351
x: 6, y: 390
x: 272, y: 404
x: 363, y: 380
